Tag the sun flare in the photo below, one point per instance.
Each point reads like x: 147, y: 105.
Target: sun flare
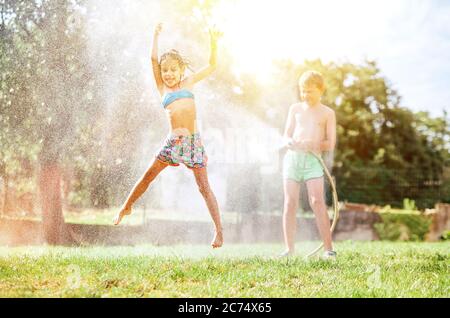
x: 257, y: 32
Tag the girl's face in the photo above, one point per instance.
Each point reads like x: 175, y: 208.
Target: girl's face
x: 311, y: 94
x: 171, y: 72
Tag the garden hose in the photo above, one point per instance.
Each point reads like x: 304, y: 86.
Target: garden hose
x: 335, y: 201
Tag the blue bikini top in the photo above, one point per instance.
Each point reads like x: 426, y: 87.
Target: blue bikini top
x: 173, y: 96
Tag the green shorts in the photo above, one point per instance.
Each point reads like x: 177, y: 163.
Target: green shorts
x: 301, y: 166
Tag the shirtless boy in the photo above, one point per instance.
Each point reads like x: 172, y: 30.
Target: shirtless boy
x: 310, y: 128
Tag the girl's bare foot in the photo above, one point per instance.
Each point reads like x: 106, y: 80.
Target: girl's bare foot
x: 218, y: 240
x: 124, y: 211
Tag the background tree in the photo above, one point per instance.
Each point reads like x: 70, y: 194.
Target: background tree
x: 48, y: 49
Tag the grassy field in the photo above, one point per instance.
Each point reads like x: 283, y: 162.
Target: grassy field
x: 363, y: 269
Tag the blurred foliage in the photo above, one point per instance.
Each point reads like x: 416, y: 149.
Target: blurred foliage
x: 446, y: 236
x: 409, y: 204
x: 412, y: 226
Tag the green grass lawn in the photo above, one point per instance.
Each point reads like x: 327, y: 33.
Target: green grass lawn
x: 363, y: 269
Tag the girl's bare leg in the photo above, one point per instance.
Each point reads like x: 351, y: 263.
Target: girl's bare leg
x: 317, y: 201
x: 291, y: 202
x: 201, y: 177
x: 141, y: 185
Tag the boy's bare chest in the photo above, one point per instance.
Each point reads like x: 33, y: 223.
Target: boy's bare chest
x: 309, y: 121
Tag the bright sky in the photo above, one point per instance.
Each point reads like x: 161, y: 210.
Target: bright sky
x: 410, y: 39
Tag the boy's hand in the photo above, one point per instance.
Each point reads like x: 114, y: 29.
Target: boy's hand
x: 289, y: 144
x: 158, y: 28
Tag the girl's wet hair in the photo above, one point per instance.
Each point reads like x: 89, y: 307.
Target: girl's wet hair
x: 183, y: 62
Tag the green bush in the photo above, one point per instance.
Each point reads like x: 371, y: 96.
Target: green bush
x: 411, y: 226
x: 409, y: 204
x: 446, y: 236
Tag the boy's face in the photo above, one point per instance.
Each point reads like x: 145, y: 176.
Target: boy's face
x: 310, y: 93
x: 171, y: 72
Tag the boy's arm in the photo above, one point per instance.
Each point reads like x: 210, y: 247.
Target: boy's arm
x: 208, y: 70
x: 290, y: 126
x: 155, y: 64
x: 330, y: 142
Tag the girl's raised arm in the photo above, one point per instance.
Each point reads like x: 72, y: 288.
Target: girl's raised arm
x: 206, y: 71
x: 155, y: 63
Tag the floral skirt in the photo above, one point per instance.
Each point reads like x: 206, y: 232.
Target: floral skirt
x: 188, y: 150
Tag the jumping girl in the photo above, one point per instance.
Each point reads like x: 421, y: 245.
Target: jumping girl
x: 183, y: 145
